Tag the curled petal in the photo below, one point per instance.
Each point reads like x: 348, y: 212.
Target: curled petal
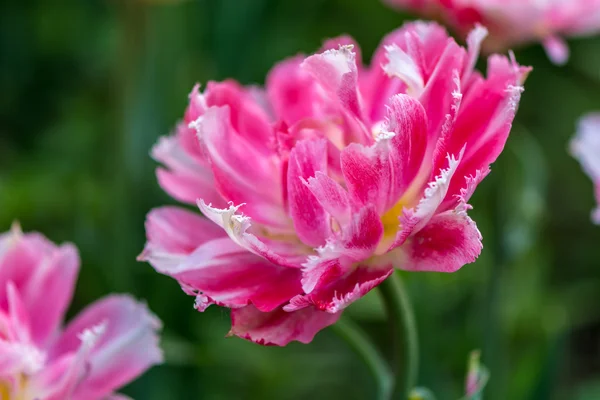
x: 279, y: 327
x: 237, y: 226
x: 336, y: 71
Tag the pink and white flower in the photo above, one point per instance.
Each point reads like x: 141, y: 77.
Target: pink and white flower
x: 585, y: 147
x: 106, y: 346
x: 317, y: 187
x: 515, y: 22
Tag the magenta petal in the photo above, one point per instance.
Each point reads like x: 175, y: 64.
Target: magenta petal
x: 381, y: 173
x: 449, y: 241
x: 206, y: 262
x: 185, y: 177
x: 293, y: 92
x: 332, y: 196
x: 235, y: 177
x: 32, y: 262
x: 48, y: 306
x: 237, y: 226
x: 335, y: 295
x: 310, y: 219
x: 356, y: 242
x: 126, y: 346
x: 247, y: 117
x: 336, y: 71
x: 279, y: 327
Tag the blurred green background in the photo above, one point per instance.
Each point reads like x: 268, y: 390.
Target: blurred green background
x: 86, y: 88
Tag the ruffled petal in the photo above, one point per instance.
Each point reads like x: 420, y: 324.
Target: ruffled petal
x: 380, y: 174
x: 448, y: 241
x: 334, y: 293
x: 279, y: 327
x: 336, y: 71
x: 413, y: 220
x: 289, y: 253
x: 356, y: 242
x: 209, y: 265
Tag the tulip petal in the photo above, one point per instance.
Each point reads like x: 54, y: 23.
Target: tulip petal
x: 184, y: 177
x: 449, y: 241
x: 126, y: 347
x: 310, y: 219
x: 235, y: 179
x: 279, y: 327
x: 381, y: 173
x: 237, y: 226
x: 333, y: 295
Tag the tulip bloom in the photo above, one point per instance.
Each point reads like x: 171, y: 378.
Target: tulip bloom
x: 585, y: 146
x: 106, y: 346
x: 515, y: 22
x: 317, y: 187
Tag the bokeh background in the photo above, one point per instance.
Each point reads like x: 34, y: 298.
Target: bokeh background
x: 86, y: 88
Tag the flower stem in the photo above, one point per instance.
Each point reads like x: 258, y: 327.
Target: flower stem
x: 404, y: 328
x: 360, y: 343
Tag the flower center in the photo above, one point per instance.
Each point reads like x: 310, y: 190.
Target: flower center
x: 17, y: 389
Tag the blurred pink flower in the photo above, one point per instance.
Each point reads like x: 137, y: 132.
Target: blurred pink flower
x: 585, y: 146
x: 106, y: 346
x: 342, y: 172
x: 515, y: 22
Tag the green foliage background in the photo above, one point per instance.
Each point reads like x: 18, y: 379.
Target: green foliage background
x: 86, y: 88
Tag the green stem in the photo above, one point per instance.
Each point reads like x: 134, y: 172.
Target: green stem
x: 404, y: 328
x: 360, y: 343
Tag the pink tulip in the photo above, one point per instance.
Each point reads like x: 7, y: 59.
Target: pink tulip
x: 317, y: 187
x: 515, y: 22
x: 585, y: 146
x: 106, y: 346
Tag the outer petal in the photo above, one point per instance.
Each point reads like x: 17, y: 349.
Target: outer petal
x: 485, y: 119
x: 211, y: 266
x: 127, y: 347
x: 585, y: 147
x: 173, y: 233
x: 279, y: 327
x: 185, y: 177
x: 449, y: 241
x: 333, y: 295
x: 310, y: 219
